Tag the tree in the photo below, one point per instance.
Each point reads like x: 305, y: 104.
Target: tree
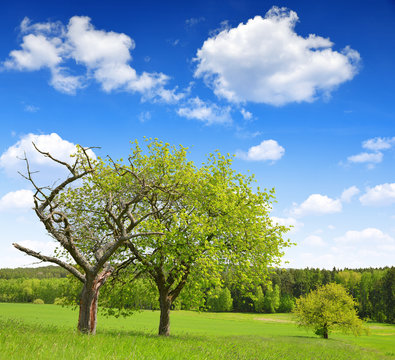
x: 213, y: 222
x: 326, y: 308
x: 271, y: 301
x: 91, y: 214
x: 388, y: 295
x: 220, y: 300
x: 287, y: 304
x: 350, y: 280
x: 259, y: 300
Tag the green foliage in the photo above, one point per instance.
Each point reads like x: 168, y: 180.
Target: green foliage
x: 350, y: 280
x: 38, y: 301
x: 220, y: 300
x: 26, y: 290
x: 326, y: 308
x: 60, y: 301
x: 388, y: 294
x: 122, y: 297
x: 271, y: 301
x: 259, y: 300
x: 374, y: 290
x: 208, y: 219
x: 287, y: 304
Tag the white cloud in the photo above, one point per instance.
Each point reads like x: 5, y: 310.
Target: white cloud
x: 37, y: 52
x: 104, y: 54
x: 52, y: 143
x: 378, y: 143
x: 380, y: 195
x: 266, y: 61
x: 314, y: 240
x: 370, y: 236
x: 20, y: 199
x: 317, y: 204
x: 246, y: 114
x: 41, y: 51
x: 376, y: 158
x: 289, y: 221
x: 267, y: 150
x: 349, y: 193
x: 369, y: 247
x: 206, y: 112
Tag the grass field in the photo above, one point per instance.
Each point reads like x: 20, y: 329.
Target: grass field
x: 30, y: 331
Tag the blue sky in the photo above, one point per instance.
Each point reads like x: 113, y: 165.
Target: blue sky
x: 302, y: 92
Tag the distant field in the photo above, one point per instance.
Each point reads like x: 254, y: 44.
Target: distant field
x: 30, y: 331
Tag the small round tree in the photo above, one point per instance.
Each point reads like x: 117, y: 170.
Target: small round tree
x: 326, y: 308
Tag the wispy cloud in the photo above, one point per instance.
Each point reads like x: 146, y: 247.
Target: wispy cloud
x: 194, y: 21
x: 31, y: 108
x: 207, y: 112
x: 376, y: 146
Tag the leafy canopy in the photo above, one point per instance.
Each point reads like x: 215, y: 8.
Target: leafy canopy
x: 328, y: 308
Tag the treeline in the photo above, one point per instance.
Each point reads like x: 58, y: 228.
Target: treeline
x: 23, y: 290
x: 45, y: 272
x: 373, y: 289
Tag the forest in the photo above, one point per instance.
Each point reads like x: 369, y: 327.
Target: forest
x: 373, y: 289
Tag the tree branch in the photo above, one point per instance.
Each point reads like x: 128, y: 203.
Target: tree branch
x: 54, y: 260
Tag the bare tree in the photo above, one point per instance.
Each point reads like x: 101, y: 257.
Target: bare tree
x: 91, y: 217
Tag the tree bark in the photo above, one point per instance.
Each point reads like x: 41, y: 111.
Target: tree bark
x: 87, y: 319
x: 325, y: 332
x: 165, y: 304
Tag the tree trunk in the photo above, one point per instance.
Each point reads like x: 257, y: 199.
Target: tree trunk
x: 88, y: 309
x: 87, y: 319
x: 325, y: 332
x: 165, y: 304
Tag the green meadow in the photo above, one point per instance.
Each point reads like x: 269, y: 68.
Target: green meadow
x: 29, y: 331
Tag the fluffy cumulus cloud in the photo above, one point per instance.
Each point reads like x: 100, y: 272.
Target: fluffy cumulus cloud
x: 59, y: 148
x: 317, y: 204
x: 349, y: 193
x: 208, y: 113
x: 266, y: 61
x: 267, y: 150
x: 17, y: 200
x: 105, y: 55
x: 380, y: 195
